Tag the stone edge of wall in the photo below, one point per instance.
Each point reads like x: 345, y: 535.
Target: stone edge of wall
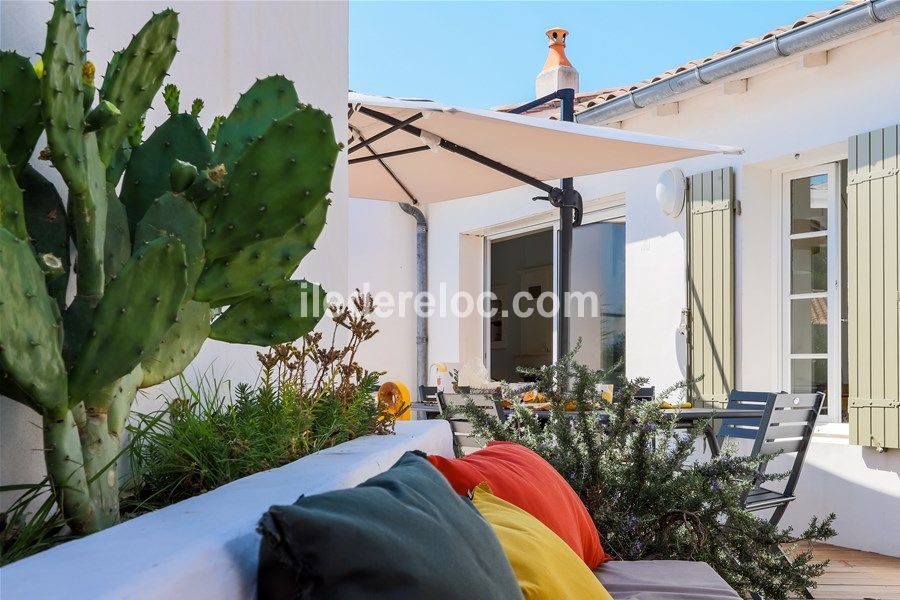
x: 207, y: 545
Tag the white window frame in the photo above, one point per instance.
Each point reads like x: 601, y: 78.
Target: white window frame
x: 833, y: 295
x: 595, y: 211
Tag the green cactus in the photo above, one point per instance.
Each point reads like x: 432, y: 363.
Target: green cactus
x: 134, y: 76
x: 268, y: 100
x: 292, y: 308
x: 20, y: 109
x: 149, y: 170
x: 172, y: 98
x: 12, y: 212
x: 298, y: 150
x: 196, y: 107
x: 194, y: 226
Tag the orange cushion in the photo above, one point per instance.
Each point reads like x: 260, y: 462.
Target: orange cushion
x: 524, y: 479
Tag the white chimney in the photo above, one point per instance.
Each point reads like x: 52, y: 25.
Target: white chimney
x: 558, y: 73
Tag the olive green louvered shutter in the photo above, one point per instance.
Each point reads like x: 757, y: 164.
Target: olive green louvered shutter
x: 710, y: 281
x: 873, y: 288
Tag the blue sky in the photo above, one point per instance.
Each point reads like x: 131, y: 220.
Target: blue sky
x: 483, y: 54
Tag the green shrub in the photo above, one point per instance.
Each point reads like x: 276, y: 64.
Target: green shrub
x: 648, y: 497
x: 31, y: 523
x: 308, y: 397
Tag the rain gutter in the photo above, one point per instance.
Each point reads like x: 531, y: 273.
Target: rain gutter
x: 421, y: 289
x: 795, y: 41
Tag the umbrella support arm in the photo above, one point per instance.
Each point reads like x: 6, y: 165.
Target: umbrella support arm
x: 455, y: 148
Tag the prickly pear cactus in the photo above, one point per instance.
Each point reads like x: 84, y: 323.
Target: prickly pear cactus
x: 218, y: 219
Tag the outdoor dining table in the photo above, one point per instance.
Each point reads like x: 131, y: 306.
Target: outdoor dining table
x: 686, y: 417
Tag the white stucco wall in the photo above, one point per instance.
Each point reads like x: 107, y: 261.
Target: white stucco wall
x: 382, y: 240
x: 790, y: 117
x: 223, y: 47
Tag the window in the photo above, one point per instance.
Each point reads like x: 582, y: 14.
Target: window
x: 598, y: 271
x: 815, y: 310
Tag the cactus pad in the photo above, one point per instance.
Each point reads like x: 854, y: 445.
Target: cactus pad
x: 117, y: 247
x: 61, y: 98
x: 12, y: 213
x: 136, y: 311
x: 117, y: 165
x: 179, y: 346
x: 277, y: 182
x: 103, y: 115
x: 87, y: 210
x: 259, y: 266
x: 20, y: 109
x: 134, y: 76
x: 30, y: 351
x: 267, y: 100
x: 149, y: 170
x: 173, y: 215
x: 45, y: 216
x: 281, y: 314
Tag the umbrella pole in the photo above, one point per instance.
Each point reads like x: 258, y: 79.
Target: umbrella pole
x: 566, y: 225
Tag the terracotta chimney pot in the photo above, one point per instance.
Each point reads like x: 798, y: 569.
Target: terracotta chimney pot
x: 558, y: 73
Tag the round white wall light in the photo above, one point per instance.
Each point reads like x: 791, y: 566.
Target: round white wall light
x: 670, y: 192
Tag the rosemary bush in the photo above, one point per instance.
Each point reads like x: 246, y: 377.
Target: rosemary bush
x: 309, y: 397
x: 648, y: 497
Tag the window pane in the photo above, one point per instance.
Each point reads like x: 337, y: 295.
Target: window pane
x: 809, y: 204
x: 520, y: 265
x: 598, y: 274
x: 809, y: 326
x: 809, y: 265
x: 809, y: 375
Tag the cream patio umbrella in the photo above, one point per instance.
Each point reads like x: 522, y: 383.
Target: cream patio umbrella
x: 420, y: 152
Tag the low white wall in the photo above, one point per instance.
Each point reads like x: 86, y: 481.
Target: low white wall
x: 207, y: 546
x: 859, y: 485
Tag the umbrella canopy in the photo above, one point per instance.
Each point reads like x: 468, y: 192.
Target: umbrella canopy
x: 422, y: 152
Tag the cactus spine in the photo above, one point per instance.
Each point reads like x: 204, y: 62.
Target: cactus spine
x: 199, y: 222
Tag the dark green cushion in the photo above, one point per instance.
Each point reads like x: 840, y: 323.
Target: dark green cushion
x: 401, y: 534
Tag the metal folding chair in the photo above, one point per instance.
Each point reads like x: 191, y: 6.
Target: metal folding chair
x: 460, y: 426
x: 786, y: 426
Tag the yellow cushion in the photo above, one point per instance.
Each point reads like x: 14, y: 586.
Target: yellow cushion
x: 544, y: 564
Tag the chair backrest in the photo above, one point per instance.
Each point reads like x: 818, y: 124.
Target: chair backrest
x: 745, y: 428
x: 427, y: 393
x: 459, y: 424
x: 646, y: 393
x: 787, y: 426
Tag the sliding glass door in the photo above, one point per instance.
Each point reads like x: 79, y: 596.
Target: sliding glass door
x: 522, y: 266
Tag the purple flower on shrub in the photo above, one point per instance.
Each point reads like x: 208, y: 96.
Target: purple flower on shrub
x: 648, y: 427
x: 631, y: 522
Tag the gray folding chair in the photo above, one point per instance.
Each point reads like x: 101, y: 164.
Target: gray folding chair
x: 743, y: 428
x: 459, y: 424
x: 786, y: 426
x: 428, y: 393
x: 645, y: 393
x: 789, y: 422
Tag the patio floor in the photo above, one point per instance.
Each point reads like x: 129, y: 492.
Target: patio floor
x: 857, y: 575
